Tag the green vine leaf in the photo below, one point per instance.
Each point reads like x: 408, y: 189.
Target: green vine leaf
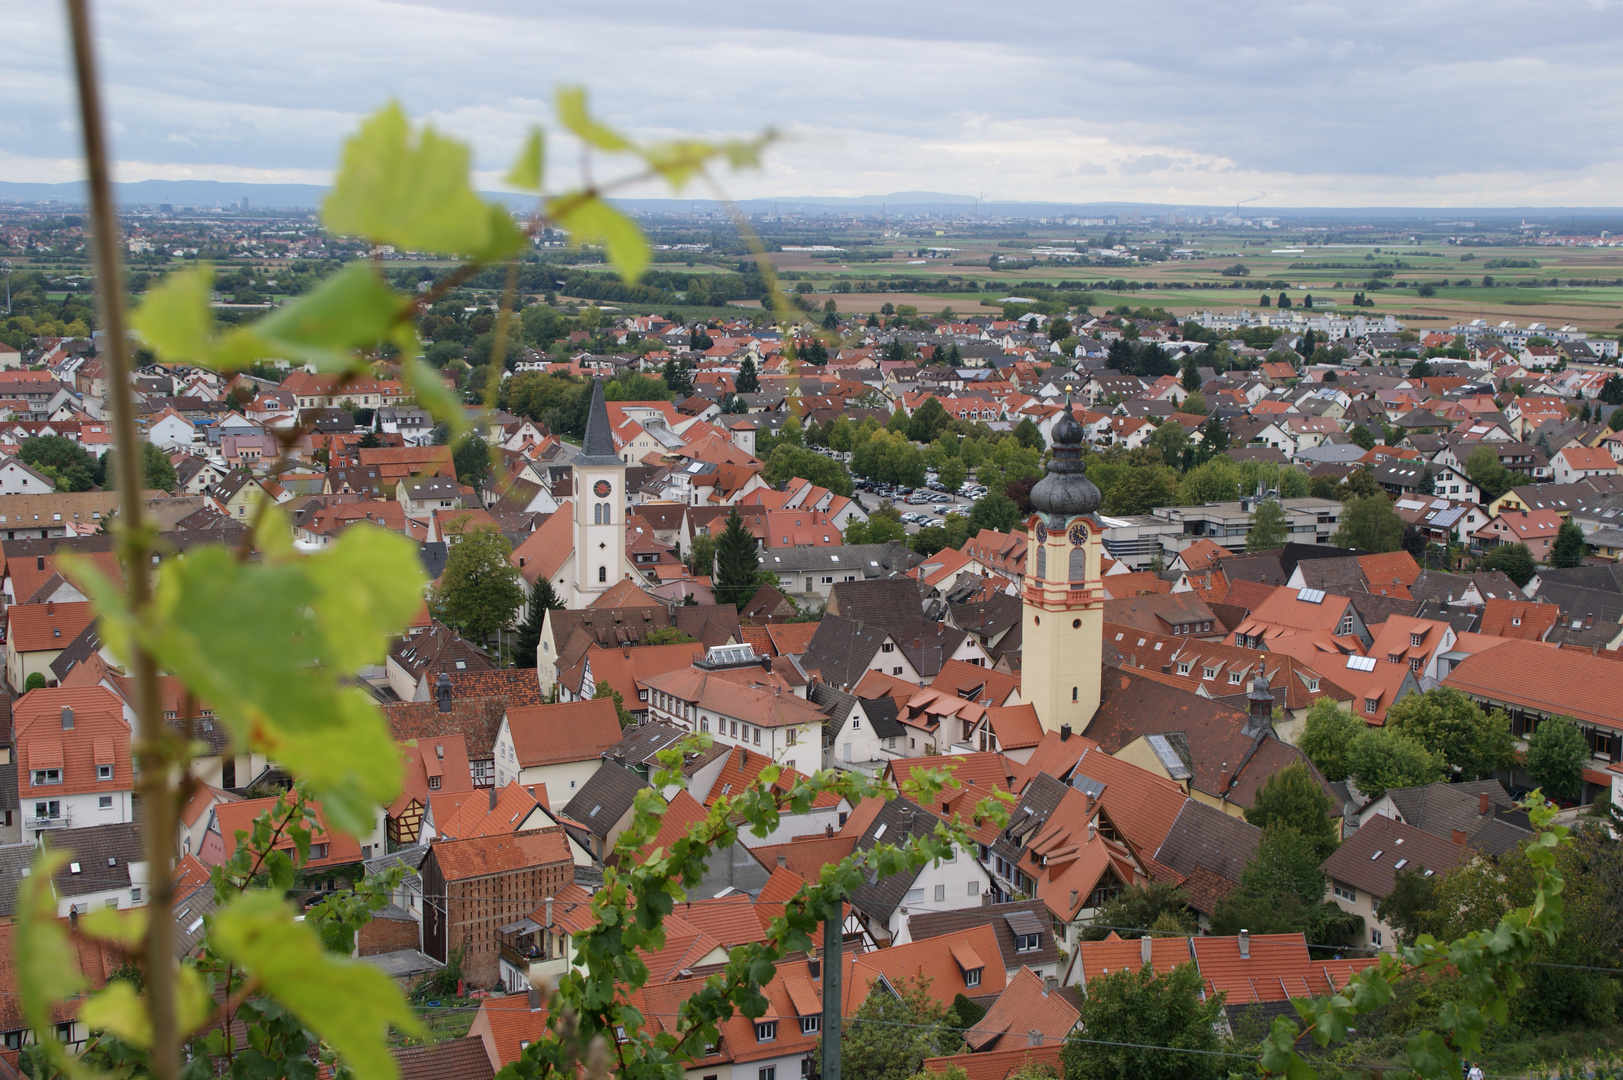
x: 121, y: 1009
x: 353, y: 309
x: 528, y: 170
x: 412, y: 191
x: 127, y: 927
x: 350, y: 1004
x: 268, y: 644
x: 570, y: 105
x: 47, y: 971
x: 590, y: 220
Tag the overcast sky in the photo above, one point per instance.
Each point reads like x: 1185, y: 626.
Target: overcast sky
x: 1409, y: 103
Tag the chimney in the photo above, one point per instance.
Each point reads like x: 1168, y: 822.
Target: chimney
x: 1225, y: 779
x: 442, y: 691
x: 1075, y: 896
x: 535, y: 999
x: 39, y: 563
x: 1459, y: 837
x: 67, y: 719
x: 1064, y: 732
x: 1482, y: 803
x: 1146, y: 945
x: 493, y: 796
x: 50, y: 608
x: 1035, y: 1036
x: 828, y: 830
x: 549, y: 911
x: 743, y: 759
x: 1245, y: 944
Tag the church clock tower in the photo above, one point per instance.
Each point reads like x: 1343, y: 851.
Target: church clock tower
x: 600, y: 507
x: 1063, y: 601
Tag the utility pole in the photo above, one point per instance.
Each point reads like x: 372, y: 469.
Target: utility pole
x: 833, y: 965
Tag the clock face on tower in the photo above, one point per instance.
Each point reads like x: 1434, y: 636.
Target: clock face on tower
x: 601, y: 489
x: 1079, y: 533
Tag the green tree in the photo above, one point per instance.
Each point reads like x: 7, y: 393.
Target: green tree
x: 604, y: 690
x: 1140, y: 490
x: 1371, y: 524
x: 678, y: 376
x: 528, y: 638
x: 1214, y: 437
x: 1557, y: 753
x: 737, y: 562
x: 995, y: 511
x: 1378, y: 761
x: 1216, y: 479
x: 952, y: 474
x: 1293, y: 797
x: 701, y: 558
x: 1194, y: 404
x: 1362, y: 436
x: 892, y: 1033
x: 1407, y: 909
x: 1171, y: 440
x: 1360, y: 484
x: 787, y: 462
x: 1269, y: 527
x: 929, y: 420
x: 480, y: 588
x: 35, y: 681
x: 963, y: 1015
x: 1515, y: 560
x: 1127, y: 1011
x: 1027, y: 435
x: 1486, y: 472
x: 471, y: 458
x: 65, y: 461
x: 1132, y: 913
x: 1568, y: 549
x: 1189, y: 373
x: 1469, y: 743
x: 1327, y: 736
x: 748, y: 380
x: 878, y: 529
x: 157, y: 472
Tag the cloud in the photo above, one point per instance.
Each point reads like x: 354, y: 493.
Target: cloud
x: 1491, y: 102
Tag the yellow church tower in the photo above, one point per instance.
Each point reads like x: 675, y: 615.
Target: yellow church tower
x: 1063, y: 599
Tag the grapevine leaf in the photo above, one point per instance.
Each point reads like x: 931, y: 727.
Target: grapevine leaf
x: 267, y: 643
x: 527, y: 171
x: 413, y: 192
x: 350, y: 310
x: 127, y: 927
x: 174, y: 319
x: 46, y: 971
x: 349, y: 1004
x: 119, y: 1008
x: 572, y: 114
x: 591, y: 220
x: 433, y: 393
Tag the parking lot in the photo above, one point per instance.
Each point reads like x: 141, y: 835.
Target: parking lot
x: 919, y: 507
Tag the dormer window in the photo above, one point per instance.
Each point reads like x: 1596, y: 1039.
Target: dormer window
x: 1415, y: 640
x: 972, y: 977
x: 1370, y: 705
x: 766, y: 1031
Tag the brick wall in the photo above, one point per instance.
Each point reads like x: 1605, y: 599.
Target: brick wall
x: 384, y: 935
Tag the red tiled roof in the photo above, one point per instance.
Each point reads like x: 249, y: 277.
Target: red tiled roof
x: 46, y: 627
x: 483, y: 856
x: 571, y: 731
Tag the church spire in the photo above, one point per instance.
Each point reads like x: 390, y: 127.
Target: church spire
x: 597, y: 448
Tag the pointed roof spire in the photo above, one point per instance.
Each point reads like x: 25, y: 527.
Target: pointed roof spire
x: 597, y: 448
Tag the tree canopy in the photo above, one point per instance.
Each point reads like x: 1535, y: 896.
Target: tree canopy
x: 1293, y: 797
x: 1469, y: 743
x: 1371, y: 524
x: 480, y: 588
x: 1138, y: 1009
x: 1269, y: 527
x: 1556, y: 755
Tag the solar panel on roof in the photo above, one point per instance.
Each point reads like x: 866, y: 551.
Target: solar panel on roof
x: 1311, y: 596
x: 1361, y: 663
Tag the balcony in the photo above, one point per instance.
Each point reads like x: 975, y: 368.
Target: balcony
x: 42, y: 823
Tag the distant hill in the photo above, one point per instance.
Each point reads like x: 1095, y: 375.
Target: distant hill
x: 209, y: 194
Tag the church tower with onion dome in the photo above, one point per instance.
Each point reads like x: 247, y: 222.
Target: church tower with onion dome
x: 600, y: 508
x: 1063, y: 601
